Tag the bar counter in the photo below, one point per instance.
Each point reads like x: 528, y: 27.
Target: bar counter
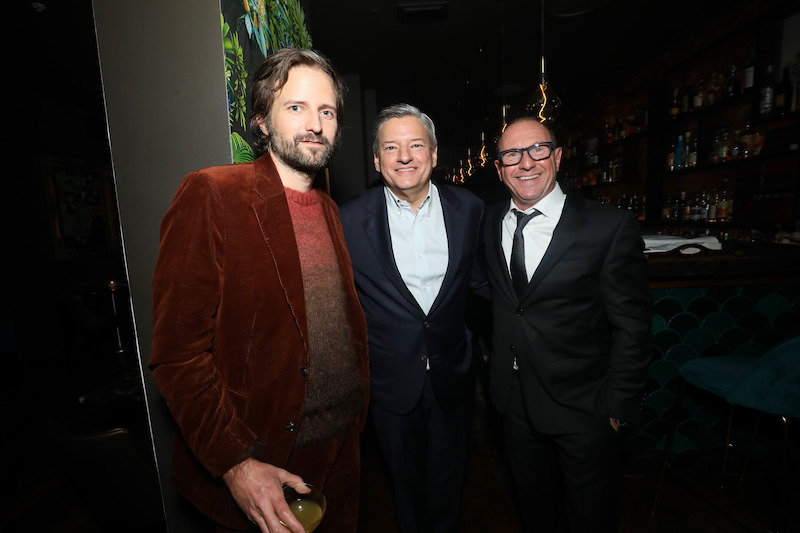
x: 736, y: 263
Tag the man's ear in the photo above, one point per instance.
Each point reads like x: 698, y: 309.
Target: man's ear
x: 262, y: 125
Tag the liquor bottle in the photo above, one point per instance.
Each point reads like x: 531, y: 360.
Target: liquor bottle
x: 642, y: 209
x: 695, y: 209
x: 702, y: 208
x: 724, y: 145
x: 766, y: 101
x: 691, y: 155
x: 748, y: 80
x: 686, y: 208
x: 783, y: 94
x: 723, y: 214
x: 685, y: 98
x: 675, y: 108
x: 679, y: 153
x: 671, y: 155
x: 712, y: 206
x: 677, y: 207
x: 666, y: 209
x: 732, y: 86
x: 734, y: 150
x: 697, y: 101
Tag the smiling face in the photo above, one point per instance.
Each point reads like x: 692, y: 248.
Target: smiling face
x: 405, y: 158
x: 528, y: 181
x: 302, y: 127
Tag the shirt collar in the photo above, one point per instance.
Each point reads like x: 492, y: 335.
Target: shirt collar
x: 424, y: 209
x: 550, y: 206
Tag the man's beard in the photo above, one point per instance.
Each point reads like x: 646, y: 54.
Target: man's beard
x: 290, y: 151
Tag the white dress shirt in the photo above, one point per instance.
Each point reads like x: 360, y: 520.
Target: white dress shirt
x: 538, y: 232
x: 419, y: 244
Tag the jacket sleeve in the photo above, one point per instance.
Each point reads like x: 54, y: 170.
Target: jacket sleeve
x: 626, y: 297
x: 186, y: 294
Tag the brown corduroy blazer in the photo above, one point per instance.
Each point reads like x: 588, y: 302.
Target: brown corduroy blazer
x: 230, y: 334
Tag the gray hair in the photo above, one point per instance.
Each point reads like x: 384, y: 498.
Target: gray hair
x: 400, y: 111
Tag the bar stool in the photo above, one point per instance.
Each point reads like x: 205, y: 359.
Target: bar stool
x: 769, y: 384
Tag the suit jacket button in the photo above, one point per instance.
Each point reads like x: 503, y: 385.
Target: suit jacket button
x: 304, y: 372
x: 520, y: 311
x: 427, y: 324
x: 290, y: 427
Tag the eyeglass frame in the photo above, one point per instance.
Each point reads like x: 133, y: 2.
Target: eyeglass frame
x: 549, y: 144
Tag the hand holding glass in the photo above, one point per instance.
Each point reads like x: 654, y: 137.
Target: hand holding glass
x: 308, y: 508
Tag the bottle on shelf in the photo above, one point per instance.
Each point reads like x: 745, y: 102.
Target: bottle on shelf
x: 671, y: 155
x: 748, y: 79
x: 679, y: 153
x: 666, y: 209
x: 766, y: 100
x: 685, y: 208
x: 675, y: 108
x: 691, y: 151
x: 713, y: 199
x: 783, y: 94
x: 724, y: 145
x: 699, y: 95
x: 685, y: 99
x: 732, y: 85
x: 734, y: 150
x: 714, y: 89
x: 723, y: 213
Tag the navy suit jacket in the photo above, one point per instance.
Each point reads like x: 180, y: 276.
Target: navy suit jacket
x: 402, y: 338
x: 581, y: 330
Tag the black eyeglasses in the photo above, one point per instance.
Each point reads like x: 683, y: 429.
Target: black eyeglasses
x: 538, y: 152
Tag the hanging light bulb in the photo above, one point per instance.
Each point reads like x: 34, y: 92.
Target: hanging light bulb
x: 483, y: 159
x: 545, y: 103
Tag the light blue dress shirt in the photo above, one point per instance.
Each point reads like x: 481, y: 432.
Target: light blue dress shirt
x: 419, y: 244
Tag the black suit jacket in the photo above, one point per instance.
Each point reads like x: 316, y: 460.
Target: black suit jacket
x: 401, y: 336
x: 581, y: 331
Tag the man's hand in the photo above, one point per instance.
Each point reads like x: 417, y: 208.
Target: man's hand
x: 258, y: 489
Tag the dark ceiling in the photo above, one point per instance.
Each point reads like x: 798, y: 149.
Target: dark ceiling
x: 461, y: 60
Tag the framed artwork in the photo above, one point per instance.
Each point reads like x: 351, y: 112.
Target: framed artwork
x: 81, y: 207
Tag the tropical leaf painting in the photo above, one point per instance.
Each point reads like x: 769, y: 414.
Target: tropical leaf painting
x: 261, y: 27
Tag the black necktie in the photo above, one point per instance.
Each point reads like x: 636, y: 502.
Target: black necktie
x: 518, y: 275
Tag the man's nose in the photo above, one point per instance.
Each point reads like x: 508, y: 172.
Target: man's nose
x: 404, y: 154
x: 314, y: 123
x: 527, y: 161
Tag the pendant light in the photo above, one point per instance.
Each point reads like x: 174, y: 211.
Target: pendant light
x: 545, y: 103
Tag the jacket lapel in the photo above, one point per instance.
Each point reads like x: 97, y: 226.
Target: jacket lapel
x: 272, y: 212
x: 454, y: 223
x: 376, y: 228
x: 564, y: 236
x: 495, y: 257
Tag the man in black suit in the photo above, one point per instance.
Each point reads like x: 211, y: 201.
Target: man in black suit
x: 415, y: 249
x: 571, y: 310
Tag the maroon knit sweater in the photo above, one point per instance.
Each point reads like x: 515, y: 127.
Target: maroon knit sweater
x: 335, y: 390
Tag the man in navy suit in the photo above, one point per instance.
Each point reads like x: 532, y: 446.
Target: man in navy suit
x: 571, y: 335
x: 415, y: 249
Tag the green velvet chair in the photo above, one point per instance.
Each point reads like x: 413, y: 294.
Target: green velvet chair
x: 769, y: 384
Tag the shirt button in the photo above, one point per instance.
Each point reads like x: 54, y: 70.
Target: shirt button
x: 304, y: 372
x: 512, y: 347
x: 290, y: 427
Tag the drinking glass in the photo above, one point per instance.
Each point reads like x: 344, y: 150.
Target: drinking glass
x: 308, y: 508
